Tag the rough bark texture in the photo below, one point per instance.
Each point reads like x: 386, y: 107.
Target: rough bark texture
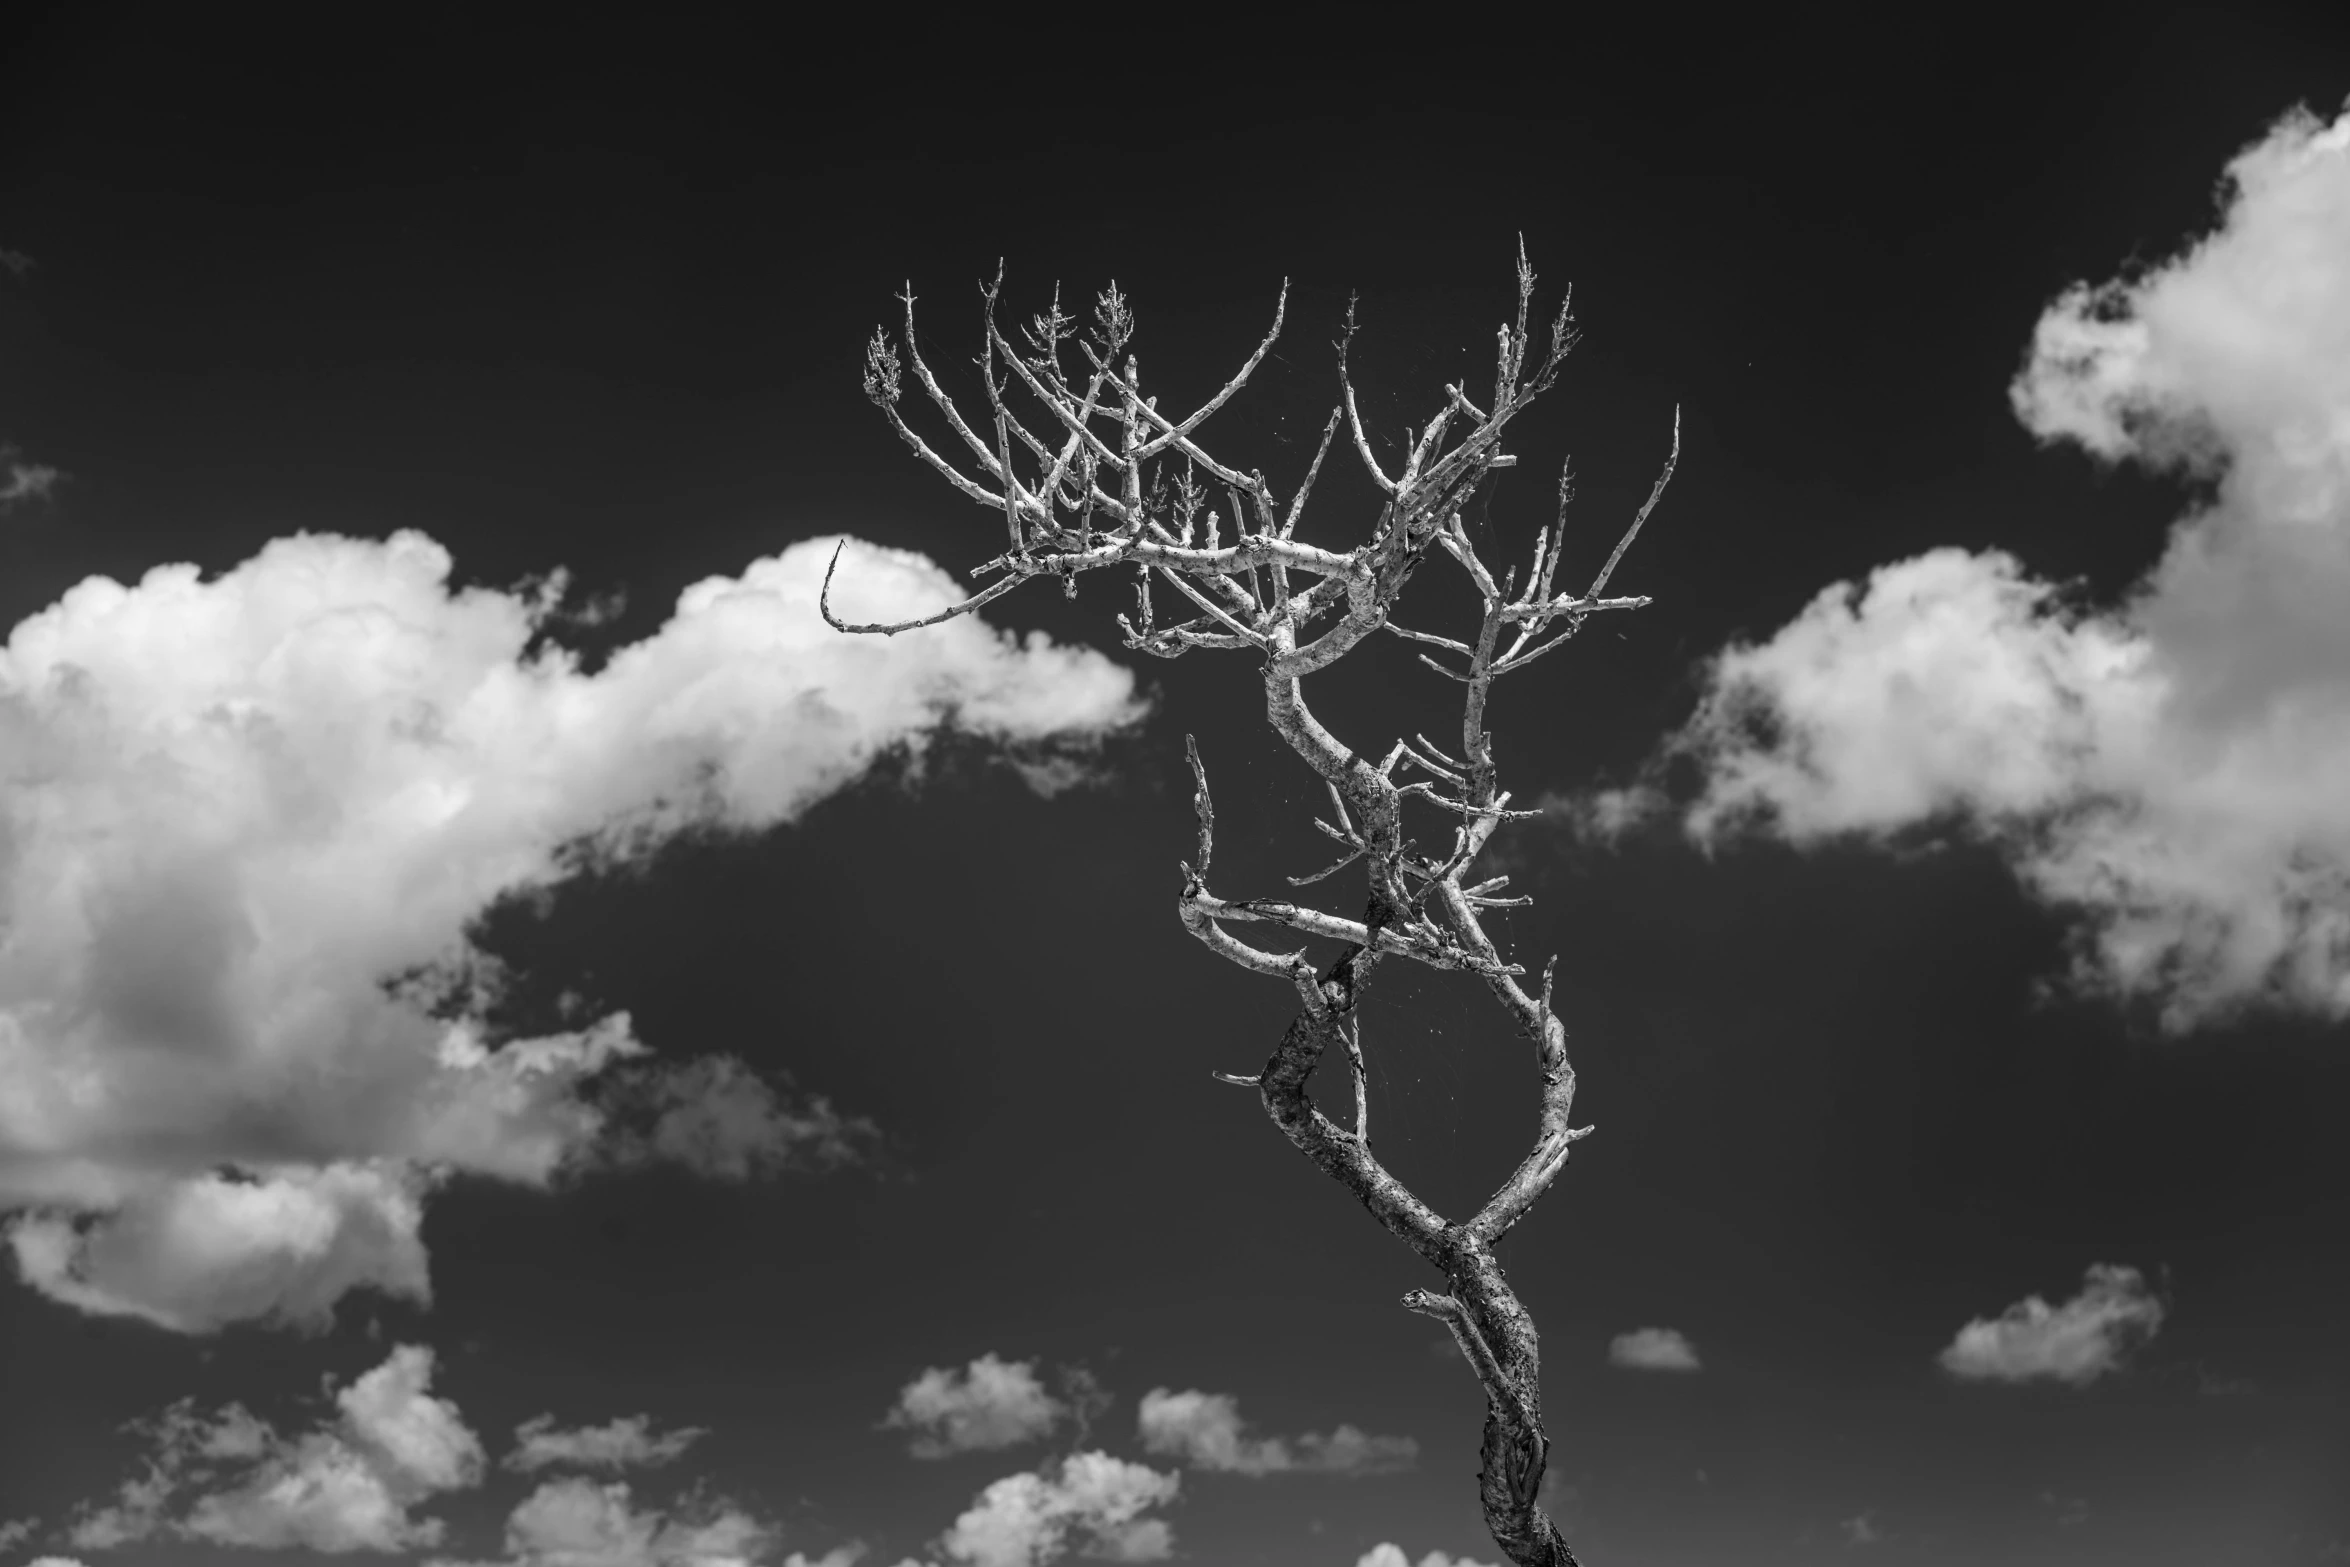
x: 1103, y: 491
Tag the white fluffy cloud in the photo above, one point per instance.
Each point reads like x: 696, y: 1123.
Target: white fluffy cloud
x: 1653, y: 1349
x: 348, y: 1485
x: 2171, y: 766
x: 579, y: 1523
x: 2075, y: 1342
x: 210, y: 1249
x: 233, y: 812
x: 1095, y: 1502
x: 1205, y: 1430
x: 994, y: 1404
x: 617, y: 1444
x: 1388, y: 1554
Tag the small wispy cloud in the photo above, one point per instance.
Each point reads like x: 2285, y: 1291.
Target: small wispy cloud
x: 1861, y: 1529
x: 993, y: 1404
x: 15, y: 262
x: 1653, y: 1349
x: 1205, y: 1431
x: 628, y: 1442
x: 22, y: 481
x: 718, y: 1117
x: 2074, y: 1342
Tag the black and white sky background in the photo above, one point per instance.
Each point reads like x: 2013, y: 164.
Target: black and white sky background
x: 586, y: 1071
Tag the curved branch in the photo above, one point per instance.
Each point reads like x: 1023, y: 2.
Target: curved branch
x: 1336, y: 1152
x: 1153, y: 447
x: 1354, y: 419
x: 824, y: 604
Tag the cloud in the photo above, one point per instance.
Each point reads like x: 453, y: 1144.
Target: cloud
x: 2169, y: 765
x: 22, y: 481
x: 715, y: 1116
x: 348, y: 1485
x: 617, y: 1444
x: 15, y: 1531
x: 2071, y: 1512
x: 1095, y: 1502
x: 1653, y: 1349
x: 245, y: 823
x: 1861, y: 1529
x: 211, y: 1249
x: 1205, y: 1431
x: 2076, y: 1342
x: 995, y: 1404
x: 580, y: 1523
x: 839, y: 1556
x: 15, y: 262
x: 1386, y: 1554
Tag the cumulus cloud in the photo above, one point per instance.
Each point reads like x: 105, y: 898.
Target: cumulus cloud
x: 2075, y: 1342
x: 580, y: 1523
x: 1095, y: 1503
x: 1205, y: 1431
x: 240, y: 817
x: 15, y: 1531
x: 211, y: 1249
x: 1653, y: 1349
x: 618, y: 1444
x: 350, y: 1484
x: 994, y: 1404
x: 1388, y: 1554
x: 2170, y: 765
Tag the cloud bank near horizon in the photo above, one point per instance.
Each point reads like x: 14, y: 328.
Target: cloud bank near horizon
x: 235, y: 812
x: 2168, y: 766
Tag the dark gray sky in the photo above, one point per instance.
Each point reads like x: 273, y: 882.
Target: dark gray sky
x: 594, y: 298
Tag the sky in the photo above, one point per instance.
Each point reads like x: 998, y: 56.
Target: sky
x: 520, y: 1045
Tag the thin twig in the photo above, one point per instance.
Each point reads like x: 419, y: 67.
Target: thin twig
x: 1656, y: 493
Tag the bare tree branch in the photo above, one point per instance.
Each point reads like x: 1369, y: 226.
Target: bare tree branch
x: 824, y: 604
x: 1122, y: 485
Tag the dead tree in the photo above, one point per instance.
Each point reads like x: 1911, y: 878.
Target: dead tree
x: 1105, y: 480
